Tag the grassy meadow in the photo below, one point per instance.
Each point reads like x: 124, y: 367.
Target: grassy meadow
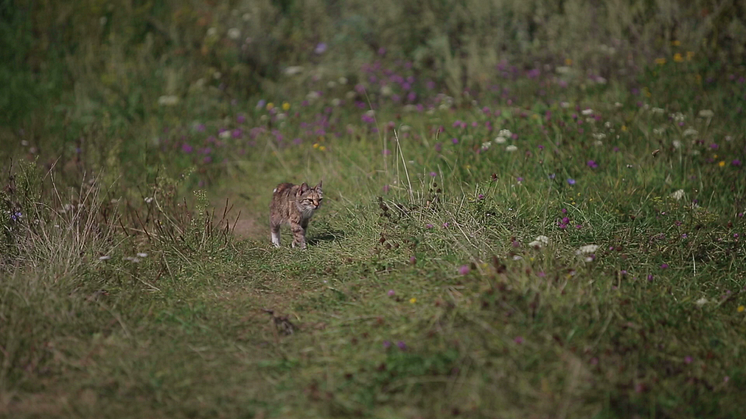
x: 553, y: 235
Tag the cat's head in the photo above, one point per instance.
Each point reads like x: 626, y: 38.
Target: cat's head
x: 309, y: 199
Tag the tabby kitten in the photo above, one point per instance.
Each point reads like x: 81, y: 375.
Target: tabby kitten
x: 294, y: 205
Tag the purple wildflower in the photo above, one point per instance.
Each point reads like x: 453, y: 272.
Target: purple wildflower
x: 463, y: 270
x: 320, y: 48
x: 571, y: 181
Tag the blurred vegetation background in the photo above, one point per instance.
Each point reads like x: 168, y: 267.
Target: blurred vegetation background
x: 83, y: 75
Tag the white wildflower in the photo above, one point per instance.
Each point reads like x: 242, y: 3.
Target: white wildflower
x: 690, y: 131
x: 413, y: 108
x: 677, y: 117
x: 486, y: 145
x: 405, y: 128
x: 563, y: 69
x: 142, y: 255
x: 564, y: 105
x: 293, y: 70
x: 500, y: 140
x: 225, y: 134
x: 234, y: 33
x: 511, y: 148
x: 312, y: 95
x: 516, y: 257
x: 598, y: 143
x: 246, y: 17
x: 331, y: 84
x: 336, y: 102
x: 342, y: 80
x: 587, y: 111
x: 728, y: 138
x: 599, y: 135
x: 168, y: 100
x: 706, y: 113
x: 540, y: 241
x: 104, y: 258
x: 659, y: 111
x: 702, y: 301
x: 212, y: 32
x: 504, y: 133
x: 677, y: 195
x: 282, y: 116
x: 217, y: 75
x: 588, y: 248
x: 600, y: 80
x: 386, y: 90
x: 676, y: 144
x: 618, y: 105
x: 148, y: 199
x: 658, y: 131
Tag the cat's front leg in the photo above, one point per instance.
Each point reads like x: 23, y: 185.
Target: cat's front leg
x: 299, y: 235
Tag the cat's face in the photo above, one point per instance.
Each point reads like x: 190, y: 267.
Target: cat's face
x: 309, y: 199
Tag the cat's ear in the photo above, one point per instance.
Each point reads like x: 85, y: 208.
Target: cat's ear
x: 318, y: 187
x: 303, y: 188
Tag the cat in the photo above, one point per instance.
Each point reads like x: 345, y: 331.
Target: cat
x: 294, y: 205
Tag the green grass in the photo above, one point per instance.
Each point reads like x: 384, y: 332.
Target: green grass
x: 128, y: 289
x: 527, y: 332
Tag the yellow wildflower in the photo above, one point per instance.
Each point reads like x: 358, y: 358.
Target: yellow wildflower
x: 270, y: 105
x: 721, y: 163
x: 689, y: 55
x: 285, y: 106
x: 678, y: 58
x: 412, y: 300
x: 740, y: 309
x: 315, y: 145
x: 660, y: 61
x: 676, y: 43
x: 624, y: 128
x: 568, y: 61
x: 322, y: 148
